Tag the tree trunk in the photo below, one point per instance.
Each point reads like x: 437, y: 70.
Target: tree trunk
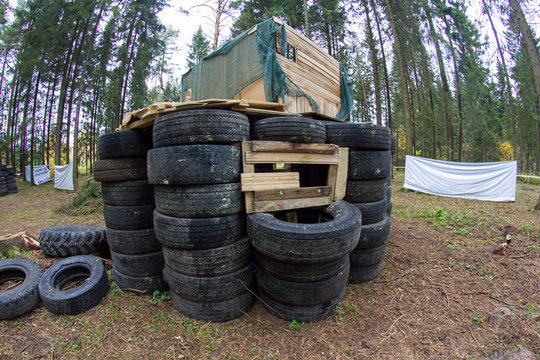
x: 374, y: 64
x: 306, y: 19
x: 219, y: 10
x: 34, y: 126
x: 44, y: 126
x: 385, y: 70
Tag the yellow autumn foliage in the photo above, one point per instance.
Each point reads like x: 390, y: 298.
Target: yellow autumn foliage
x: 505, y: 150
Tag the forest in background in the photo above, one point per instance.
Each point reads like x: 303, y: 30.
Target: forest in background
x: 71, y: 70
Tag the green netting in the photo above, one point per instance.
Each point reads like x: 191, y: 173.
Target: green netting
x: 235, y: 65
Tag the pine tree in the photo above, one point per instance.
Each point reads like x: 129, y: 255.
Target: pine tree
x: 198, y: 49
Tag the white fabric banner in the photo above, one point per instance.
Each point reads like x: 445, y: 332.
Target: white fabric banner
x: 42, y: 174
x: 494, y: 181
x: 63, y: 177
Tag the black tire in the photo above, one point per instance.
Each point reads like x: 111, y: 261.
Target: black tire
x: 127, y: 193
x: 307, y: 243
x: 23, y: 298
x: 364, y: 191
x: 300, y: 313
x: 300, y: 272
x: 364, y: 274
x: 367, y: 257
x: 140, y: 285
x: 194, y: 165
x: 138, y: 265
x: 358, y: 136
x: 81, y: 298
x: 73, y: 240
x: 289, y: 128
x: 394, y: 143
x: 128, y: 217
x: 133, y: 242
x: 200, y: 126
x: 389, y: 193
x: 199, y: 201
x: 210, y: 262
x: 303, y: 293
x: 388, y: 209
x: 374, y: 235
x: 372, y: 212
x: 199, y: 233
x: 212, y: 289
x: 366, y: 165
x: 120, y: 169
x: 214, y: 311
x: 124, y: 144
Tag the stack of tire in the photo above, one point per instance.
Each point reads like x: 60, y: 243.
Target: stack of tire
x: 370, y: 162
x: 302, y: 267
x: 3, y: 180
x: 128, y: 206
x: 199, y: 218
x: 11, y: 184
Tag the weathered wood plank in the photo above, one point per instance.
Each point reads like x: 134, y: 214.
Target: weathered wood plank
x: 290, y: 158
x: 273, y: 176
x: 341, y: 176
x: 305, y: 192
x: 277, y: 185
x: 281, y: 146
x: 275, y: 205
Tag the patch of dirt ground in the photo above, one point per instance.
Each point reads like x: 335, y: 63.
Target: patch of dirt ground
x: 443, y: 294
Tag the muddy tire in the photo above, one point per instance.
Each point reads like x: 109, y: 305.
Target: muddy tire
x: 127, y: 193
x: 293, y: 129
x: 372, y: 212
x: 138, y: 265
x: 124, y: 144
x: 361, y: 275
x: 23, y: 298
x: 364, y: 191
x: 135, y: 217
x: 194, y: 165
x: 374, y: 235
x: 367, y: 257
x: 73, y: 240
x: 199, y: 201
x: 120, y: 169
x: 359, y: 136
x: 133, y: 242
x: 365, y: 165
x: 139, y: 285
x: 82, y: 297
x: 203, y: 126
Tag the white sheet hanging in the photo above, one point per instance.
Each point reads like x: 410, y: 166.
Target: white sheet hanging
x: 494, y: 181
x: 63, y: 177
x: 42, y: 174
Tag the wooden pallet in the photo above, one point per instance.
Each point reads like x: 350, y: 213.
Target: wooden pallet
x: 281, y: 190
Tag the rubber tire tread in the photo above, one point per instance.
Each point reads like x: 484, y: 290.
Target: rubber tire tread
x: 366, y: 165
x: 214, y: 288
x: 374, y: 235
x: 307, y: 243
x: 133, y: 242
x: 304, y: 293
x: 139, y: 285
x: 359, y: 136
x: 126, y: 193
x: 138, y: 265
x: 199, y: 201
x: 214, y: 311
x: 194, y: 164
x: 23, y: 298
x: 83, y: 297
x: 124, y: 144
x: 372, y: 212
x: 73, y: 240
x: 124, y: 169
x: 210, y: 262
x: 134, y: 217
x: 199, y: 233
x: 290, y: 312
x: 368, y: 257
x: 364, y: 191
x: 292, y: 129
x: 200, y: 126
x: 361, y: 275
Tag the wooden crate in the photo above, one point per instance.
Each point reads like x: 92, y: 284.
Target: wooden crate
x: 281, y: 190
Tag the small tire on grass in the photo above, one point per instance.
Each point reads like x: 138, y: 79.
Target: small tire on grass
x: 289, y: 128
x: 81, y: 298
x: 65, y: 241
x: 127, y: 193
x: 194, y: 164
x: 211, y: 262
x: 199, y: 201
x: 220, y: 311
x: 135, y: 217
x: 124, y: 169
x: 133, y: 242
x: 360, y: 275
x: 25, y: 296
x: 201, y: 126
x: 214, y: 288
x: 124, y: 144
x: 139, y: 285
x: 199, y: 233
x: 359, y: 136
x: 141, y: 265
x: 366, y: 165
x: 364, y: 191
x: 300, y: 313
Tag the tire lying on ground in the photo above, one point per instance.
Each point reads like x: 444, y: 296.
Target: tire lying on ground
x: 307, y: 243
x: 360, y: 275
x: 133, y: 242
x: 126, y: 193
x: 141, y: 265
x: 289, y: 128
x: 194, y: 165
x: 368, y: 257
x: 59, y: 300
x: 124, y: 169
x: 124, y: 144
x: 24, y: 297
x: 73, y: 240
x: 140, y: 285
x: 374, y: 235
x: 200, y: 126
x: 359, y: 136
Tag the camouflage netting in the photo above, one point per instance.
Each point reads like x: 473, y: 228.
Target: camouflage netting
x: 228, y: 75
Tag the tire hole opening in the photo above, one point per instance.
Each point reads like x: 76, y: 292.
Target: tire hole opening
x: 304, y: 216
x: 71, y: 279
x: 10, y: 279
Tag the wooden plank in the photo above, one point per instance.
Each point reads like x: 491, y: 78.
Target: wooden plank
x: 278, y: 185
x: 273, y: 176
x: 299, y: 193
x: 262, y: 112
x: 312, y: 87
x: 290, y: 158
x: 333, y: 74
x: 341, y: 176
x: 298, y: 40
x: 275, y: 205
x: 247, y: 168
x: 282, y: 146
x: 254, y: 92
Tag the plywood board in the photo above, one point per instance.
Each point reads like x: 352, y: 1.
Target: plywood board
x: 281, y: 146
x: 341, y: 176
x: 276, y: 205
x: 290, y: 158
x: 305, y: 192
